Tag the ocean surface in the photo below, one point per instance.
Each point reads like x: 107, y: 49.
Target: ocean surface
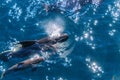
x: 92, y: 51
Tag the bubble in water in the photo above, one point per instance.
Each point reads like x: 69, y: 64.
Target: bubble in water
x: 15, y: 12
x: 2, y: 68
x: 96, y: 2
x: 61, y: 78
x: 112, y: 32
x: 95, y: 68
x: 8, y: 1
x: 95, y: 22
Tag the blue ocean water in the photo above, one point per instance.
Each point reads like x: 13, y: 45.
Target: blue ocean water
x: 92, y: 51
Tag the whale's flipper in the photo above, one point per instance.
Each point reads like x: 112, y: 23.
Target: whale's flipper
x: 49, y: 48
x: 3, y: 74
x: 53, y: 49
x: 27, y: 43
x: 34, y: 67
x: 20, y: 65
x: 5, y: 55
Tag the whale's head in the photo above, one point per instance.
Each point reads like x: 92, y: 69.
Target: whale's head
x: 59, y: 39
x: 53, y: 40
x: 62, y: 38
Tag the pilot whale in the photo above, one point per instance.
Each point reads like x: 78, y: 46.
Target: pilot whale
x: 29, y: 63
x: 28, y: 48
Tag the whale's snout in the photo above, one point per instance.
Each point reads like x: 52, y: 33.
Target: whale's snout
x: 62, y: 38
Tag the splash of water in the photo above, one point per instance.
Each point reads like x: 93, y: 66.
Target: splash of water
x: 54, y: 27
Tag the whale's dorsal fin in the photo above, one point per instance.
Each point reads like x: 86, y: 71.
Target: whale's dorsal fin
x: 27, y: 43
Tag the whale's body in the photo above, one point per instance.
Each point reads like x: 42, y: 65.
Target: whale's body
x: 29, y: 63
x: 27, y: 48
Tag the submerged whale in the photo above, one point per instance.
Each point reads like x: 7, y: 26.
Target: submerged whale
x: 29, y: 63
x: 67, y: 5
x: 27, y: 48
